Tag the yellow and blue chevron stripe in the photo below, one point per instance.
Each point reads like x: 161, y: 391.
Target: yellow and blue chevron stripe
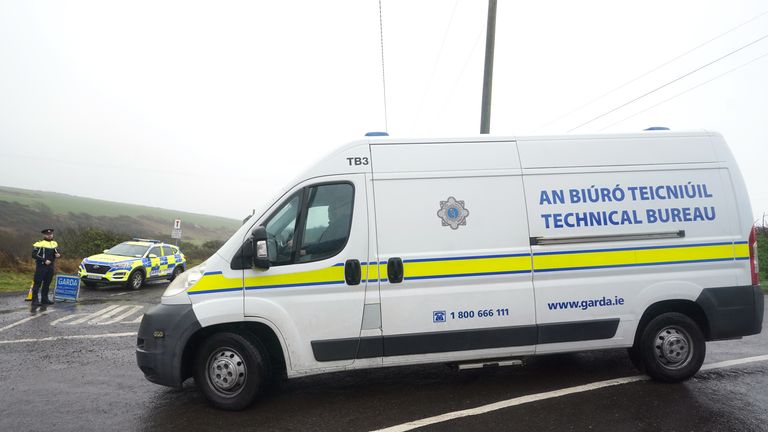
x: 489, y: 265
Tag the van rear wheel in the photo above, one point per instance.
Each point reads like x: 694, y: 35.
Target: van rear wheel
x: 672, y: 347
x: 231, y: 370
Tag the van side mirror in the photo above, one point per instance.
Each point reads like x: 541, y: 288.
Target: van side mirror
x: 261, y: 251
x: 253, y: 253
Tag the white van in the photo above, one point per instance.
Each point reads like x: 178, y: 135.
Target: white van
x: 394, y: 252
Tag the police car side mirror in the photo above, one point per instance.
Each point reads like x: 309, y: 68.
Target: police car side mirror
x: 261, y: 251
x: 106, y: 250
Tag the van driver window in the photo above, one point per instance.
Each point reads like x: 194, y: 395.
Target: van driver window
x: 328, y: 221
x: 280, y: 230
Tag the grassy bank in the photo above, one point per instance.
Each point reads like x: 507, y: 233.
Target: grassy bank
x: 11, y: 281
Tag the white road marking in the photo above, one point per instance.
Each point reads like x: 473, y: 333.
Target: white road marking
x: 136, y: 321
x: 103, y: 316
x: 548, y: 395
x: 729, y: 363
x: 131, y: 310
x: 118, y: 294
x: 53, y: 338
x: 93, y: 315
x: 30, y: 318
x: 106, y: 315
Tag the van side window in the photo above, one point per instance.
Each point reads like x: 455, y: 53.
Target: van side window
x: 280, y: 232
x: 327, y: 223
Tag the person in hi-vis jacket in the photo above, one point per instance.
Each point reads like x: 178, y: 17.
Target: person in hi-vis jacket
x: 45, y: 253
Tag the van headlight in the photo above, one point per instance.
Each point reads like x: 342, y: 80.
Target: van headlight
x: 184, y: 281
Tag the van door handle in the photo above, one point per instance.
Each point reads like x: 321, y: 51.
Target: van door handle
x: 395, y: 270
x: 352, y: 273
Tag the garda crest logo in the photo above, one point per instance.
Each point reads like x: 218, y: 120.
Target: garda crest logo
x: 453, y: 213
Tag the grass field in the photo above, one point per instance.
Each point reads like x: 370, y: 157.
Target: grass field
x: 14, y: 282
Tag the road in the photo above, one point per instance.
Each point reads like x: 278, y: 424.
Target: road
x: 72, y: 368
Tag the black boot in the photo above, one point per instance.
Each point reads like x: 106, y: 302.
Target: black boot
x: 35, y: 303
x: 45, y: 301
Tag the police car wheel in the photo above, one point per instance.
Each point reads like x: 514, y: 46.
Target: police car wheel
x: 135, y: 280
x: 176, y: 272
x: 672, y: 347
x: 231, y: 370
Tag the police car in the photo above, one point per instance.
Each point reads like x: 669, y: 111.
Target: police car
x: 132, y: 263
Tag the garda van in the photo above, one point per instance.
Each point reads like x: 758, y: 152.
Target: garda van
x: 396, y: 252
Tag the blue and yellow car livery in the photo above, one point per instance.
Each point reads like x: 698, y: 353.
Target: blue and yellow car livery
x: 132, y: 263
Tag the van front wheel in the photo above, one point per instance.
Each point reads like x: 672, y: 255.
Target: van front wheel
x: 672, y: 347
x: 230, y: 370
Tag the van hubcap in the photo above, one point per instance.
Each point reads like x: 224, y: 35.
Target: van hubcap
x: 673, y: 347
x: 226, y: 371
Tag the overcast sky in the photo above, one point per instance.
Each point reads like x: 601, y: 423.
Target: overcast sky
x: 212, y: 107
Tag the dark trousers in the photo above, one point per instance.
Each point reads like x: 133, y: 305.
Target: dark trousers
x: 43, y: 277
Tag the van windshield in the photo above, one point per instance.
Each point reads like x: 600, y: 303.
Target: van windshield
x: 129, y: 250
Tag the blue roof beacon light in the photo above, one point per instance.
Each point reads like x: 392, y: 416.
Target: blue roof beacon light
x: 653, y: 128
x: 377, y: 134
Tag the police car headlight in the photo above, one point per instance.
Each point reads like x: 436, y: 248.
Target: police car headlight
x: 185, y: 281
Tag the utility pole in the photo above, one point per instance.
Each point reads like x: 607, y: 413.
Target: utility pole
x: 490, y: 37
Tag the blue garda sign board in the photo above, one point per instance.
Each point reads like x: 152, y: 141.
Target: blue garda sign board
x: 67, y: 287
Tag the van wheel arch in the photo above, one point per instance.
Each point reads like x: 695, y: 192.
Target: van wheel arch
x: 688, y: 308
x: 258, y: 332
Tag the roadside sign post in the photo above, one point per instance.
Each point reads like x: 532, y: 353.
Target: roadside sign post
x: 176, y: 232
x: 67, y: 287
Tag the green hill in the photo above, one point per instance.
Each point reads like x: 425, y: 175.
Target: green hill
x: 25, y: 211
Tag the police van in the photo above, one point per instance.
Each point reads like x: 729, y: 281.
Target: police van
x: 398, y: 252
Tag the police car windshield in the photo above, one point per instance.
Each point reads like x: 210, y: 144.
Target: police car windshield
x: 130, y: 250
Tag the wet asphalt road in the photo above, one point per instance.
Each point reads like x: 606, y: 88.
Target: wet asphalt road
x: 83, y: 384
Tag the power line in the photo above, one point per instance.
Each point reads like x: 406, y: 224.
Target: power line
x: 669, y: 83
x: 653, y: 70
x: 461, y: 74
x: 383, y: 75
x: 686, y: 91
x: 439, y: 54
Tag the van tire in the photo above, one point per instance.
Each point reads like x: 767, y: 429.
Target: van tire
x: 243, y: 366
x: 135, y: 279
x: 672, y: 347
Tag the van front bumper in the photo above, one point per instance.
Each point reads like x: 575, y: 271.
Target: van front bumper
x: 733, y: 312
x: 163, y: 336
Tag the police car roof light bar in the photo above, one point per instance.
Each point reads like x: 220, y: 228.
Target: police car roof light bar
x: 146, y: 240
